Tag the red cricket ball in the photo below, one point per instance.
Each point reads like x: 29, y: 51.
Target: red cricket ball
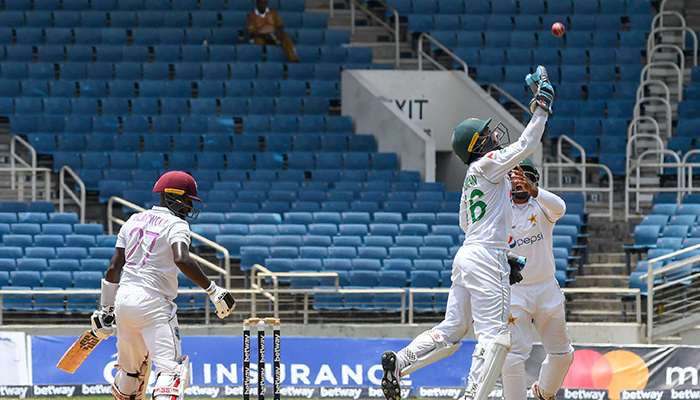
x: 558, y: 29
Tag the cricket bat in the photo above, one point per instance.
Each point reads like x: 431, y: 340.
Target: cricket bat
x: 78, y: 352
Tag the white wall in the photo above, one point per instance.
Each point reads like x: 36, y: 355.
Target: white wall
x: 417, y: 105
x: 395, y: 132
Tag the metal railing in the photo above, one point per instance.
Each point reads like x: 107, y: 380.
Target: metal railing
x: 64, y: 188
x: 633, y: 127
x: 635, y: 138
x: 648, y: 70
x: 619, y: 291
x: 68, y: 292
x: 638, y: 189
x: 335, y: 289
x: 662, y: 46
x: 510, y: 97
x: 17, y: 173
x: 689, y: 168
x: 686, y: 31
x: 650, y: 83
x: 226, y: 271
x: 580, y: 167
x: 660, y: 16
x: 394, y: 31
x: 259, y: 272
x: 673, y: 305
x: 422, y: 53
x: 668, y: 110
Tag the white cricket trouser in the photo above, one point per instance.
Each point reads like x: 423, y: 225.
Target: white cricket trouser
x: 541, y: 304
x: 479, y: 295
x: 146, y: 324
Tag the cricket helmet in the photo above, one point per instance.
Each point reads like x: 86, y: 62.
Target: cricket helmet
x: 179, y: 187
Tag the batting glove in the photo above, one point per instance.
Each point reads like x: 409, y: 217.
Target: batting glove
x: 103, y: 322
x: 223, y: 300
x: 517, y: 263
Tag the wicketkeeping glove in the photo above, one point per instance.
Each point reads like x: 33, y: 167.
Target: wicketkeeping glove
x: 517, y: 263
x: 103, y: 322
x: 222, y: 300
x: 542, y: 90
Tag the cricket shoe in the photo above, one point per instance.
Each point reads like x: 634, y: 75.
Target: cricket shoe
x: 538, y: 395
x: 391, y: 377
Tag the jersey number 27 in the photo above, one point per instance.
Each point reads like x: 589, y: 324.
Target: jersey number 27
x: 139, y: 239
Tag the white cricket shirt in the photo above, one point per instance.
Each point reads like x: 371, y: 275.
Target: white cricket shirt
x: 531, y: 235
x: 147, y: 238
x: 485, y: 214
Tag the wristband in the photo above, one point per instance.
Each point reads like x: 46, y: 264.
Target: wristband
x: 109, y: 293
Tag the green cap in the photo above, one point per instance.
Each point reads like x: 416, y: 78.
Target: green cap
x: 465, y: 137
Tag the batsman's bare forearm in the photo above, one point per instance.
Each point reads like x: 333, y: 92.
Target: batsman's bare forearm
x: 114, y: 270
x: 188, y: 266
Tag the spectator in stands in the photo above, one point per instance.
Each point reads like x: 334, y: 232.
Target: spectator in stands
x: 265, y: 27
x: 483, y: 269
x: 140, y: 286
x: 537, y: 299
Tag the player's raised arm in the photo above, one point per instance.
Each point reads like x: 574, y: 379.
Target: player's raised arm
x: 541, y: 107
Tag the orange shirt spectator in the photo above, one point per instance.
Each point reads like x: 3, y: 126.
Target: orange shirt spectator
x: 265, y: 27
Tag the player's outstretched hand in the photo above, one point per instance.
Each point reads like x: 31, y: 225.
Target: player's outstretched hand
x: 103, y: 322
x: 223, y: 300
x: 542, y: 90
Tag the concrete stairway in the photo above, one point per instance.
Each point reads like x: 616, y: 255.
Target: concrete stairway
x: 367, y: 32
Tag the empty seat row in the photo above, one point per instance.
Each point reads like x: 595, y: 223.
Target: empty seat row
x: 498, y: 39
x: 520, y: 23
x: 36, y: 226
x: 319, y: 197
x: 522, y: 7
x: 36, y: 257
x: 147, y: 198
x: 48, y: 143
x: 151, y: 19
x: 206, y: 178
x: 64, y: 279
x: 183, y: 72
x: 85, y: 55
x: 204, y: 107
x: 121, y: 93
x: 28, y: 37
x: 10, y: 217
x: 566, y: 73
x: 32, y: 206
x: 554, y: 57
x: 359, y: 161
x: 159, y: 5
x: 673, y: 209
x: 13, y: 246
x: 321, y: 234
x: 305, y: 218
x: 415, y: 230
x: 172, y: 125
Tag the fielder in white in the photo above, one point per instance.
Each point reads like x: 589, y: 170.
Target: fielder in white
x: 537, y: 299
x: 481, y: 272
x: 140, y: 286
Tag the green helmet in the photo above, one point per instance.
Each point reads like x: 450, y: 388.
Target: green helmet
x: 528, y: 166
x: 468, y: 142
